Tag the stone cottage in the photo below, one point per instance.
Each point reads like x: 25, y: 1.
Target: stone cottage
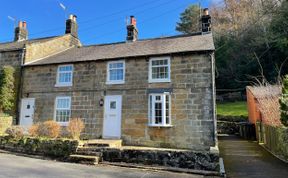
x: 154, y: 92
x: 23, y: 50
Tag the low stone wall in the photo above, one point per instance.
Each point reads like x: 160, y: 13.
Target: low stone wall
x: 160, y: 157
x: 5, y: 122
x: 229, y: 124
x: 55, y: 148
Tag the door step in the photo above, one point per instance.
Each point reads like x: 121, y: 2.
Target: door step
x: 101, y: 143
x: 89, y: 151
x: 84, y: 159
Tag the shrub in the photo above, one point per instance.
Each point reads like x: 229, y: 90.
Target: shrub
x: 50, y: 129
x: 284, y: 102
x: 75, y: 128
x: 7, y: 90
x: 15, y: 132
x: 34, y: 130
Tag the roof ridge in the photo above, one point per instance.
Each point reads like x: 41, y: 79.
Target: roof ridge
x: 148, y: 39
x: 33, y: 39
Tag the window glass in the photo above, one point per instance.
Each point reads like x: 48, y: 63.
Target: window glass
x: 113, y: 105
x: 63, y: 109
x: 116, y: 72
x: 64, y: 76
x: 159, y: 109
x: 159, y: 69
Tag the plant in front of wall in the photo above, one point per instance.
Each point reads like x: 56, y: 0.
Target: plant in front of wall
x: 48, y: 129
x: 284, y: 102
x: 7, y: 90
x: 75, y: 128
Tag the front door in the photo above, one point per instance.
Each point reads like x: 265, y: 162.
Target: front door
x: 27, y: 112
x: 112, y: 116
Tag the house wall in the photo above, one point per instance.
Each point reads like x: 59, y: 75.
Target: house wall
x: 12, y: 58
x: 191, y: 105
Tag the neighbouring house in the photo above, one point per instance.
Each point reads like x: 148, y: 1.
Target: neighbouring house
x: 263, y: 104
x: 22, y: 50
x: 155, y: 92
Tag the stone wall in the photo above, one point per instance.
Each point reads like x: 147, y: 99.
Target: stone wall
x: 168, y: 158
x: 12, y: 58
x: 54, y: 148
x: 5, y: 122
x: 192, y: 111
x: 39, y: 50
x: 229, y: 124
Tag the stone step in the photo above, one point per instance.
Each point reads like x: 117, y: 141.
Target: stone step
x: 84, y: 159
x: 96, y: 145
x: 101, y: 143
x: 89, y: 151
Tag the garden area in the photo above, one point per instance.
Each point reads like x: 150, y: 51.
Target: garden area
x: 237, y: 108
x: 230, y: 115
x: 44, y: 138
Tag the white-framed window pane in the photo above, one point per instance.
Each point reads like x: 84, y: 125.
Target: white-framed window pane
x: 159, y: 109
x: 116, y: 71
x: 63, y: 111
x: 65, y: 68
x: 167, y: 107
x: 158, y: 113
x: 65, y: 74
x: 160, y: 69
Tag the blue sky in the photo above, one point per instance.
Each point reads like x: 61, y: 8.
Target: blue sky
x: 99, y: 21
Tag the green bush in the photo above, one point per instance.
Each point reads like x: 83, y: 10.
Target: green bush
x: 284, y: 102
x: 7, y: 90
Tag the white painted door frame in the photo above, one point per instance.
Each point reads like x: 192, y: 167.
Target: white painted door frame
x: 112, y: 116
x: 27, y: 112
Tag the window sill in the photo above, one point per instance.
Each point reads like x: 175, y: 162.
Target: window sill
x: 114, y: 82
x: 63, y: 85
x: 150, y: 125
x: 64, y: 124
x: 159, y: 81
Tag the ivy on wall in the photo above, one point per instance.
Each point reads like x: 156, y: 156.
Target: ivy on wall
x: 284, y: 102
x: 7, y: 90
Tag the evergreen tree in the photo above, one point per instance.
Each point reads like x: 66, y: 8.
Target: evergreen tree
x: 189, y: 20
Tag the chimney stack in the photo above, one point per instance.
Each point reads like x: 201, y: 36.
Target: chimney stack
x: 21, y: 32
x: 71, y: 26
x: 132, y: 32
x: 206, y: 21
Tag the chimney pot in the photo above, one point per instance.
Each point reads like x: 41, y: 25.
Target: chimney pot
x: 20, y: 24
x: 24, y: 24
x: 206, y: 11
x: 132, y: 32
x: 21, y: 32
x: 132, y: 20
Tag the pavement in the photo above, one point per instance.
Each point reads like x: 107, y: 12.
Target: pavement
x: 13, y: 166
x: 244, y: 158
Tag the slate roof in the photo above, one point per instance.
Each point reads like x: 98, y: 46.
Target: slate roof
x: 156, y: 46
x: 19, y: 45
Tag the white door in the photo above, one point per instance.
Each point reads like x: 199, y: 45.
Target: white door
x: 112, y: 116
x: 27, y: 112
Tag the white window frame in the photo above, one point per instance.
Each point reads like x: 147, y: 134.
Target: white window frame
x: 151, y: 80
x: 151, y: 114
x: 64, y: 84
x: 108, y: 81
x: 55, y: 109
